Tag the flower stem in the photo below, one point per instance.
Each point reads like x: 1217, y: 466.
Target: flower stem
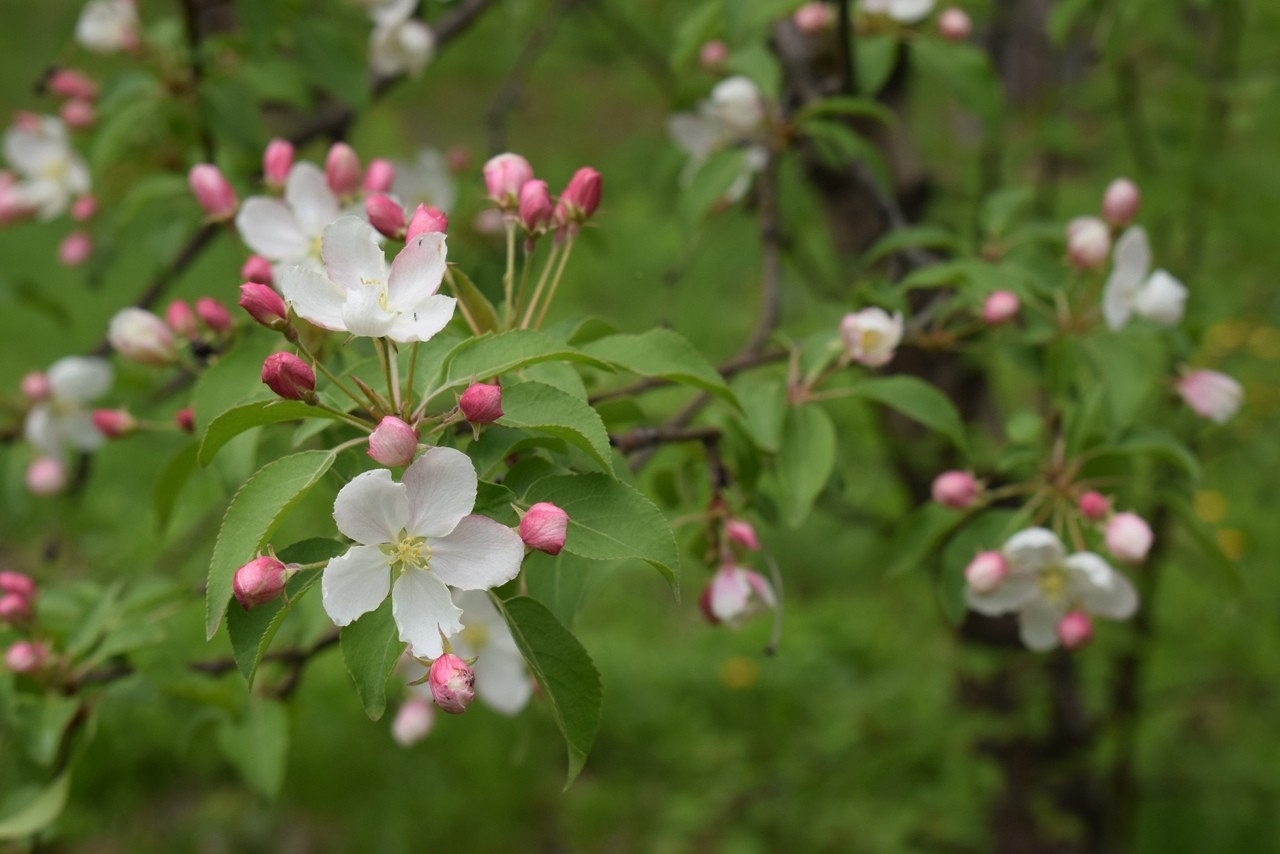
x: 555, y: 283
x: 509, y: 278
x: 542, y: 282
x: 320, y: 366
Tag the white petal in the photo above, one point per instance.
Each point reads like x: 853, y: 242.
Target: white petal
x: 699, y: 136
x: 372, y: 508
x: 363, y: 314
x: 478, y: 554
x: 502, y: 681
x: 909, y: 11
x: 1162, y: 299
x: 79, y: 379
x: 1011, y: 595
x: 1100, y: 588
x: 270, y: 229
x: 352, y: 255
x: 441, y: 489
x: 478, y: 610
x: 313, y: 296
x: 40, y: 429
x: 423, y: 610
x: 355, y: 583
x: 76, y: 429
x: 307, y: 193
x: 416, y: 273
x: 1130, y: 263
x: 1032, y: 549
x: 424, y: 321
x: 1038, y: 626
x: 729, y: 593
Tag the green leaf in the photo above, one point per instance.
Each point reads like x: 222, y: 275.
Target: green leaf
x: 562, y: 582
x: 254, y: 512
x: 169, y: 484
x: 1216, y: 568
x: 258, y: 745
x: 474, y: 301
x: 370, y: 648
x: 919, y: 401
x: 920, y: 533
x: 1155, y: 443
x: 488, y: 356
x: 910, y: 237
x: 711, y: 182
x: 610, y: 520
x: 37, y: 812
x: 966, y: 72
x: 764, y: 407
x: 847, y: 106
x: 875, y: 57
x: 564, y: 671
x: 805, y: 461
x: 661, y: 353
x: 547, y: 409
x: 238, y: 419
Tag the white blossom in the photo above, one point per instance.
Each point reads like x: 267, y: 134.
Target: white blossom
x: 108, y: 26
x: 902, y: 11
x: 52, y: 172
x: 63, y: 420
x: 289, y: 231
x: 1158, y: 297
x: 733, y: 116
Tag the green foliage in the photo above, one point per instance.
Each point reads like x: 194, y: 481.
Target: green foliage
x: 547, y: 409
x: 919, y: 401
x: 371, y: 646
x: 660, y: 353
x: 805, y: 460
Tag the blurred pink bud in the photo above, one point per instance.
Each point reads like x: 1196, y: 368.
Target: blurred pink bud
x: 735, y: 593
x: 17, y: 583
x: 386, y: 215
x: 83, y: 208
x: 181, y: 318
x: 1088, y: 242
x: 954, y: 24
x: 955, y: 489
x: 504, y: 175
x: 393, y: 442
x: 458, y: 159
x: 379, y: 177
x: 535, y: 208
x: 489, y: 222
x: 214, y: 315
x: 77, y: 113
x: 260, y: 580
x: 14, y: 608
x: 1211, y: 394
x: 215, y: 195
x: 342, y: 169
x: 581, y: 198
x: 264, y: 305
x: 140, y: 336
x: 1120, y: 202
x: 185, y: 419
x: 1093, y: 506
x: 1074, y: 629
x: 413, y: 721
x: 75, y: 249
x: 114, y: 423
x: 277, y: 160
x: 986, y: 571
x: 741, y: 532
x: 713, y: 55
x: 544, y: 527
x: 256, y: 269
x: 1000, y: 307
x: 35, y: 386
x: 481, y: 403
x: 813, y: 18
x: 46, y: 476
x: 69, y: 83
x: 1128, y: 537
x: 427, y: 220
x: 27, y: 121
x: 452, y: 684
x: 25, y: 657
x: 289, y: 377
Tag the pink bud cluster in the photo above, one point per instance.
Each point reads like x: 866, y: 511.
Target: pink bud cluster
x: 17, y: 596
x: 1127, y: 535
x: 80, y: 93
x: 512, y: 187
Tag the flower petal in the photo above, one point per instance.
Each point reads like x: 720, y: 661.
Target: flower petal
x: 478, y: 611
x: 1011, y: 595
x: 1102, y: 590
x: 478, y: 554
x: 1033, y: 549
x: 352, y: 255
x: 1162, y: 299
x: 363, y: 314
x: 313, y: 296
x: 309, y: 198
x: 1131, y: 261
x: 502, y: 681
x: 268, y: 227
x: 423, y: 609
x: 77, y: 430
x: 79, y: 379
x: 1038, y: 625
x: 416, y: 273
x: 424, y: 321
x: 372, y: 508
x: 441, y: 489
x: 355, y: 583
x: 729, y: 593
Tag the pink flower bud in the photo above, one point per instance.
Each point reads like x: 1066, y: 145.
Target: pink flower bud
x: 14, y: 608
x: 986, y: 571
x: 741, y: 532
x: 75, y: 249
x: 35, y: 386
x: 17, y: 584
x: 69, y: 83
x: 342, y: 169
x: 535, y: 209
x: 256, y: 269
x: 735, y: 593
x: 458, y: 159
x: 214, y: 315
x: 1129, y: 537
x: 1074, y: 629
x: 954, y: 24
x: 1093, y: 506
x: 260, y: 580
x: 185, y: 419
x: 277, y: 160
x: 77, y: 113
x: 1211, y: 395
x: 379, y: 177
x: 46, y: 476
x: 83, y: 208
x: 713, y: 55
x: 427, y: 220
x: 212, y: 191
x: 452, y: 684
x: 393, y: 442
x: 813, y: 18
x: 413, y: 721
x: 386, y: 215
x: 181, y: 318
x: 28, y: 121
x: 140, y: 336
x: 1000, y: 307
x: 504, y: 175
x: 481, y: 403
x: 1120, y: 202
x: 289, y: 377
x: 544, y: 527
x: 489, y: 222
x: 25, y: 657
x: 581, y: 198
x: 264, y: 305
x: 955, y: 489
x: 114, y: 423
x: 1088, y: 242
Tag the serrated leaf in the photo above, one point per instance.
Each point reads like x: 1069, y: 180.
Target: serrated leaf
x: 662, y: 353
x: 562, y: 582
x: 238, y: 419
x: 257, y: 745
x: 805, y: 460
x: 547, y: 409
x: 254, y: 512
x: 370, y: 648
x: 564, y: 671
x: 920, y: 402
x: 170, y: 482
x: 38, y: 811
x: 491, y: 355
x: 1150, y: 442
x: 910, y: 237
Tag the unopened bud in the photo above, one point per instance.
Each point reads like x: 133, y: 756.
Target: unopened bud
x: 1120, y: 202
x: 1088, y: 242
x: 379, y: 177
x: 1000, y: 307
x: 185, y: 419
x: 1074, y: 629
x: 260, y: 580
x: 1129, y: 537
x: 386, y: 215
x: 481, y: 403
x: 985, y: 572
x: 504, y: 175
x: 813, y: 18
x: 713, y: 55
x: 393, y: 442
x: 214, y: 315
x: 35, y: 386
x: 535, y: 209
x: 955, y: 489
x: 581, y: 198
x: 1211, y: 394
x: 181, y: 318
x: 544, y: 527
x: 452, y: 684
x: 75, y: 249
x: 277, y: 160
x: 458, y: 159
x: 140, y: 336
x: 954, y: 24
x: 741, y: 532
x: 413, y: 721
x: 77, y: 113
x: 83, y: 208
x: 69, y: 83
x: 342, y: 169
x: 14, y: 608
x: 46, y: 476
x: 114, y: 423
x: 256, y: 269
x: 264, y: 305
x: 1093, y: 506
x: 17, y: 583
x: 289, y: 377
x: 427, y: 220
x: 215, y: 195
x: 25, y: 657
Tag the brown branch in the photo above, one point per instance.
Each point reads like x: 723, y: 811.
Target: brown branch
x: 650, y: 437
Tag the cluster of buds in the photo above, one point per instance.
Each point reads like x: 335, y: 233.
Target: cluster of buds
x: 79, y: 93
x: 513, y: 188
x: 1127, y: 535
x: 1089, y: 238
x: 141, y: 336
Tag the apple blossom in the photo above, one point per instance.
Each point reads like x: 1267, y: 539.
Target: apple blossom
x: 425, y: 180
x: 260, y: 580
x: 1158, y: 297
x: 902, y: 11
x: 288, y: 231
x: 393, y: 442
x: 452, y: 683
x: 386, y: 215
x: 264, y: 305
x: 741, y: 532
x: 735, y: 593
x: 61, y: 420
x: 401, y: 46
x: 357, y: 293
x: 342, y: 169
x: 46, y: 476
x: 1088, y: 242
x: 414, y: 539
x: 75, y: 249
x: 25, y: 657
x: 140, y: 336
x: 1120, y: 202
x: 502, y: 679
x: 277, y: 160
x: 481, y: 403
x: 114, y: 423
x: 504, y: 175
x: 544, y: 527
x: 289, y: 377
x: 985, y: 572
x: 52, y: 172
x: 1000, y: 307
x: 733, y: 116
x: 871, y: 336
x: 214, y: 315
x: 108, y: 26
x: 955, y: 489
x: 1162, y: 299
x: 1093, y: 506
x: 1074, y: 630
x: 954, y: 24
x: 1128, y: 537
x: 379, y: 176
x: 1211, y: 394
x: 215, y: 195
x: 413, y: 721
x: 427, y: 220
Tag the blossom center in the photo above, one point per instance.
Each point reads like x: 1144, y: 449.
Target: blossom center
x: 409, y: 552
x: 1053, y: 584
x: 475, y: 636
x: 870, y: 339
